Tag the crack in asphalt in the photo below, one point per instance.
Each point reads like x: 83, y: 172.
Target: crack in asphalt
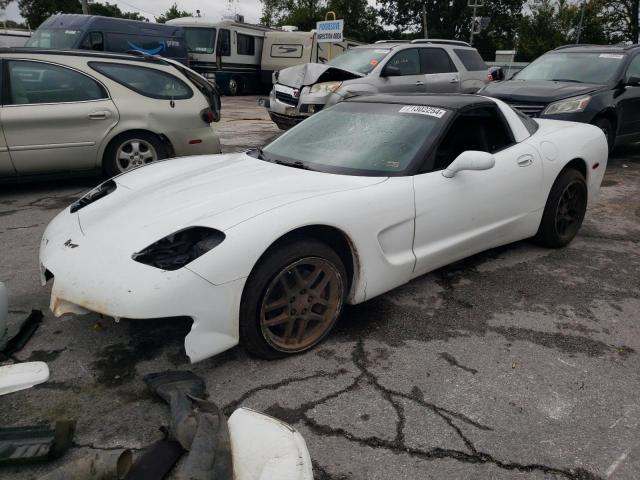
x: 398, y: 444
x: 451, y: 360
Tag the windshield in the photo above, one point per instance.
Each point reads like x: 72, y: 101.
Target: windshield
x: 200, y: 40
x: 54, y: 38
x: 573, y: 67
x: 361, y: 60
x: 360, y: 139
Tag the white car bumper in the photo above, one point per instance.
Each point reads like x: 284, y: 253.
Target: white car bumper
x: 88, y: 278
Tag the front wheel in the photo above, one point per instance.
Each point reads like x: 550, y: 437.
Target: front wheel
x: 292, y: 299
x: 608, y: 130
x: 564, y: 211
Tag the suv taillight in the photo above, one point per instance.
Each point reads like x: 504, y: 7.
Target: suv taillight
x: 207, y: 115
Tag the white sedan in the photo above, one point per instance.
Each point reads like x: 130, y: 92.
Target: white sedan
x: 265, y: 247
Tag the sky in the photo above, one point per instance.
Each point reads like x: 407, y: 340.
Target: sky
x: 251, y: 9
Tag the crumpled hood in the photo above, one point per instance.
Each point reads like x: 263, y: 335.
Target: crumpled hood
x: 310, y: 73
x: 537, y: 90
x: 219, y: 191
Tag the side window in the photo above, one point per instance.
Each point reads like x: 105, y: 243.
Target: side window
x: 93, y: 41
x: 633, y: 70
x: 246, y: 45
x: 408, y: 61
x: 145, y: 81
x: 482, y: 129
x: 471, y: 59
x: 224, y: 43
x: 436, y: 60
x: 530, y: 124
x: 35, y: 82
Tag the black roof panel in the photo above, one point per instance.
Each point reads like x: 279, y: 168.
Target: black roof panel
x: 453, y: 101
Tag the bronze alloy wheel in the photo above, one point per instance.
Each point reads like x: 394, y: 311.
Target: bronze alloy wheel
x: 571, y: 209
x: 301, y: 304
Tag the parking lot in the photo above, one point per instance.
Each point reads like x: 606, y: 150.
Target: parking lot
x: 519, y: 362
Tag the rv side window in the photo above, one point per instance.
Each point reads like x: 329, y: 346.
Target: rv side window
x: 224, y: 43
x: 93, y: 41
x: 246, y: 45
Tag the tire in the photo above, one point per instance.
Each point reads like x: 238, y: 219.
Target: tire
x: 564, y: 211
x: 234, y: 87
x: 607, y: 127
x: 120, y: 156
x: 304, y: 312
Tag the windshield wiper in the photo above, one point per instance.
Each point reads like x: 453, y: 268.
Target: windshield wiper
x: 260, y: 154
x: 565, y: 80
x: 296, y: 164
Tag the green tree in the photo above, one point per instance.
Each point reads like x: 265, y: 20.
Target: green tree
x: 37, y: 11
x: 360, y: 20
x: 552, y: 23
x: 623, y: 19
x: 172, y: 13
x: 109, y: 10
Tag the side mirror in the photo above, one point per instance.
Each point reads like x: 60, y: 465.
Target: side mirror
x: 496, y: 74
x: 391, y: 71
x: 470, y: 160
x: 633, y: 81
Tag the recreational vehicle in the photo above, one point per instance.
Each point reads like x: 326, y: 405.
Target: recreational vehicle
x: 241, y: 57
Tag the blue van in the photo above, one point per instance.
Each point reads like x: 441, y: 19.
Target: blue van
x: 92, y: 32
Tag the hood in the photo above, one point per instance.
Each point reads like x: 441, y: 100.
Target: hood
x: 218, y: 191
x: 543, y: 91
x: 310, y: 73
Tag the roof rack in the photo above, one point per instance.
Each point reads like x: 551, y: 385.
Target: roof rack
x: 441, y: 41
x: 392, y: 41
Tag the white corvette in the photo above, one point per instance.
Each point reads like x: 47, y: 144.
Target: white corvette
x: 265, y: 247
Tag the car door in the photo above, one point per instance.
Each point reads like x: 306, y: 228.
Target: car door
x: 6, y: 167
x: 476, y: 210
x: 54, y: 117
x: 630, y: 100
x: 440, y: 74
x: 409, y: 80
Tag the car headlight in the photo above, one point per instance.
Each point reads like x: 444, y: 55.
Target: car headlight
x: 97, y: 193
x: 325, y: 87
x: 180, y: 248
x: 571, y: 105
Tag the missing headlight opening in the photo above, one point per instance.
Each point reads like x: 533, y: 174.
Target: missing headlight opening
x: 180, y: 248
x: 97, y: 193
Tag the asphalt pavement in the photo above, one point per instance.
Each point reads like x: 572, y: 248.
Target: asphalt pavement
x: 517, y: 363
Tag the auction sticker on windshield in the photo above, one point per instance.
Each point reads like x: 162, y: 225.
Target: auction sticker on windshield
x: 611, y: 55
x: 423, y: 110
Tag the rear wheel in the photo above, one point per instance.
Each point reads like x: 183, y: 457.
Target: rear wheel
x: 564, y: 211
x: 607, y: 128
x: 132, y: 150
x: 292, y: 299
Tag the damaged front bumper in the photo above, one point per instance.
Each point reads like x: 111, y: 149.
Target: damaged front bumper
x: 288, y: 106
x: 89, y: 277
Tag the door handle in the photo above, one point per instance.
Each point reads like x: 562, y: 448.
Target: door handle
x: 525, y: 160
x: 419, y: 82
x: 100, y: 115
x: 454, y: 80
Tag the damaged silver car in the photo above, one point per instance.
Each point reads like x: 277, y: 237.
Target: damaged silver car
x: 387, y: 66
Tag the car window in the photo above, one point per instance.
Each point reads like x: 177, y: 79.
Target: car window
x: 633, y: 70
x: 145, y: 81
x: 200, y: 40
x: 482, y: 129
x: 530, y: 124
x: 360, y: 138
x: 578, y: 67
x: 361, y: 60
x: 408, y: 61
x: 37, y: 82
x: 93, y: 41
x: 436, y: 60
x: 224, y: 43
x: 245, y: 44
x: 471, y: 59
x: 54, y: 38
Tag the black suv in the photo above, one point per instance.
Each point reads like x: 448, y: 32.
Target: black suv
x: 594, y: 84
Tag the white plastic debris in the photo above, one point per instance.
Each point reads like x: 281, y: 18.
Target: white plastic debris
x: 265, y: 448
x: 21, y: 376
